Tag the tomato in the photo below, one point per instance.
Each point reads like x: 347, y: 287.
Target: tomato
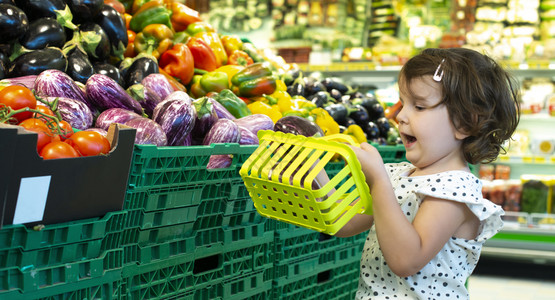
x: 66, y: 129
x: 18, y: 97
x: 38, y: 126
x: 58, y: 149
x: 89, y: 143
x: 43, y: 108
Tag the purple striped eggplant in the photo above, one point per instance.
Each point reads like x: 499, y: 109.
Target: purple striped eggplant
x: 148, y: 131
x: 221, y: 111
x: 159, y: 84
x: 247, y: 136
x: 145, y: 96
x: 206, y: 117
x: 219, y: 161
x: 114, y: 115
x: 223, y: 131
x: 256, y: 122
x: 179, y: 95
x: 55, y: 83
x: 27, y: 81
x: 106, y: 93
x: 177, y: 118
x: 75, y: 112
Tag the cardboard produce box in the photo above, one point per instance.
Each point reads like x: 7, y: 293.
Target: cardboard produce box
x: 36, y: 191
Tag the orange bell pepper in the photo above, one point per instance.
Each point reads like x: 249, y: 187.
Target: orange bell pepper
x: 182, y: 16
x: 231, y: 43
x: 241, y: 58
x: 178, y: 62
x: 154, y: 39
x: 204, y: 56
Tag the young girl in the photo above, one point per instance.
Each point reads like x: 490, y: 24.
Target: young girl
x: 430, y: 220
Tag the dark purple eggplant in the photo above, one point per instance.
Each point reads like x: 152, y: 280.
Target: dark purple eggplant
x: 3, y: 70
x: 113, y: 24
x: 75, y: 112
x: 56, y: 9
x: 206, y: 117
x: 359, y: 114
x: 105, y: 93
x: 139, y: 69
x: 55, y: 83
x: 79, y: 67
x: 13, y: 23
x: 94, y: 41
x: 109, y: 70
x: 223, y: 131
x: 177, y: 118
x: 26, y: 81
x: 42, y: 33
x: 247, y: 137
x: 114, y: 115
x: 84, y: 10
x: 338, y: 112
x: 148, y: 132
x: 221, y: 111
x: 159, y: 84
x: 219, y: 161
x: 36, y: 61
x: 298, y: 125
x: 145, y: 96
x: 256, y: 122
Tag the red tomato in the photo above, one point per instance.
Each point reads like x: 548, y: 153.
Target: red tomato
x: 18, y: 97
x: 38, y: 126
x: 89, y: 143
x: 58, y: 149
x: 43, y: 108
x: 66, y: 129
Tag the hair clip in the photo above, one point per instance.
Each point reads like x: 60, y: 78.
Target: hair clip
x: 437, y: 77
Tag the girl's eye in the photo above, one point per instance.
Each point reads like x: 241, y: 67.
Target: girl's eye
x: 417, y: 107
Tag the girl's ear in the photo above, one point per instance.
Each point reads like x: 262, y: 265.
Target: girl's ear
x: 459, y: 135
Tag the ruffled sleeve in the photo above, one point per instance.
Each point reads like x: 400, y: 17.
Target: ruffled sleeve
x: 466, y: 188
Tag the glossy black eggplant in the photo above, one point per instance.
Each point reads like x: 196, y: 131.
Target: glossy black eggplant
x: 338, y: 112
x: 320, y: 98
x: 42, y: 33
x: 84, y: 10
x: 139, y: 69
x: 297, y: 88
x: 5, y: 51
x: 7, y: 2
x: 113, y: 24
x: 36, y: 9
x: 109, y: 70
x: 331, y: 83
x: 13, y: 23
x: 36, y: 61
x: 359, y: 114
x: 79, y: 67
x: 336, y: 94
x: 3, y: 70
x: 95, y: 41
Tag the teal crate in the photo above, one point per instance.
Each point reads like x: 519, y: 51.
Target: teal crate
x: 106, y: 287
x: 158, y: 167
x: 32, y: 279
x: 151, y: 199
x: 293, y: 243
x: 19, y: 236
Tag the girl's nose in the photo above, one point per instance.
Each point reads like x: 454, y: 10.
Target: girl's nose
x: 401, y: 116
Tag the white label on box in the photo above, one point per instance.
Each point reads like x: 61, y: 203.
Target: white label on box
x: 31, y: 199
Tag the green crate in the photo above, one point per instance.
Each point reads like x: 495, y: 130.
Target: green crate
x: 151, y: 199
x: 106, y: 287
x: 330, y: 243
x: 136, y: 254
x: 295, y: 243
x: 32, y: 279
x: 19, y: 236
x: 158, y: 167
x: 392, y: 153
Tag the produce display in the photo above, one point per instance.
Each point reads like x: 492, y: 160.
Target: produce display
x: 158, y: 67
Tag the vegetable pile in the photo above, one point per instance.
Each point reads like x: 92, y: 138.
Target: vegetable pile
x: 158, y: 67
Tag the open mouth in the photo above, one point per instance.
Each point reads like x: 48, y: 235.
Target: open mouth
x: 409, y: 139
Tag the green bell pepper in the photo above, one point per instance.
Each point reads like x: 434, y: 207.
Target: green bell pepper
x: 235, y: 105
x: 251, y: 72
x: 152, y: 12
x: 214, y: 81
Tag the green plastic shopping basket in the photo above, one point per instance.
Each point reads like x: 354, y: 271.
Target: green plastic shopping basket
x: 286, y: 179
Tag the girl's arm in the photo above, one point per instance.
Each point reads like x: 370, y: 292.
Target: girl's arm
x: 407, y: 247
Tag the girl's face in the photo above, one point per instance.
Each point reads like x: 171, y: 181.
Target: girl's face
x: 432, y: 143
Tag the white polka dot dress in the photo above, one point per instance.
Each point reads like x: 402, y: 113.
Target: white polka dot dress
x: 445, y: 275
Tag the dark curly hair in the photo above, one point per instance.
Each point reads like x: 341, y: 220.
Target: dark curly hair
x: 481, y: 97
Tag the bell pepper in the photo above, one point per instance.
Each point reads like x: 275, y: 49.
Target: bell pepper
x: 178, y: 61
x: 230, y: 70
x: 177, y: 86
x: 115, y: 4
x: 182, y: 16
x: 231, y: 43
x: 260, y: 107
x: 154, y: 39
x: 323, y: 119
x: 198, y: 27
x: 235, y: 105
x: 213, y: 40
x: 280, y: 85
x: 130, y: 49
x: 214, y: 81
x: 240, y: 58
x: 196, y: 89
x: 181, y: 37
x: 288, y: 104
x: 251, y: 72
x: 151, y: 12
x: 356, y: 132
x: 205, y: 59
x: 257, y: 87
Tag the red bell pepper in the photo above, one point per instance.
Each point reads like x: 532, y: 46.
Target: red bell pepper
x: 182, y: 16
x: 204, y: 56
x: 178, y: 62
x: 213, y: 40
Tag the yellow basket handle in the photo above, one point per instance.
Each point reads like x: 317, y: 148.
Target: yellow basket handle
x: 340, y: 137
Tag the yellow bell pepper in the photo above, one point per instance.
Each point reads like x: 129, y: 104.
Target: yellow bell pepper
x: 323, y: 119
x: 230, y: 70
x: 356, y: 132
x: 260, y: 107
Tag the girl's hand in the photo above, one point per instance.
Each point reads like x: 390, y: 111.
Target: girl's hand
x: 371, y: 163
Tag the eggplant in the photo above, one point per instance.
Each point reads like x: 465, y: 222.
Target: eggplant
x: 179, y: 95
x: 55, y: 83
x: 27, y: 81
x: 103, y: 132
x: 336, y: 95
x: 139, y: 69
x: 299, y: 126
x: 105, y: 93
x: 219, y: 161
x: 3, y: 70
x: 42, y: 33
x: 221, y: 111
x: 84, y: 10
x: 37, y: 61
x: 145, y: 96
x: 319, y: 98
x: 113, y: 24
x: 177, y: 118
x: 223, y: 131
x: 371, y: 130
x: 109, y: 70
x: 247, y: 137
x: 256, y: 122
x: 114, y: 115
x: 375, y: 109
x: 159, y: 84
x: 206, y: 117
x: 148, y: 132
x: 383, y: 125
x: 338, y: 112
x: 335, y: 84
x: 75, y: 112
x: 56, y: 9
x: 359, y: 114
x: 79, y: 67
x: 13, y: 23
x: 95, y: 41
